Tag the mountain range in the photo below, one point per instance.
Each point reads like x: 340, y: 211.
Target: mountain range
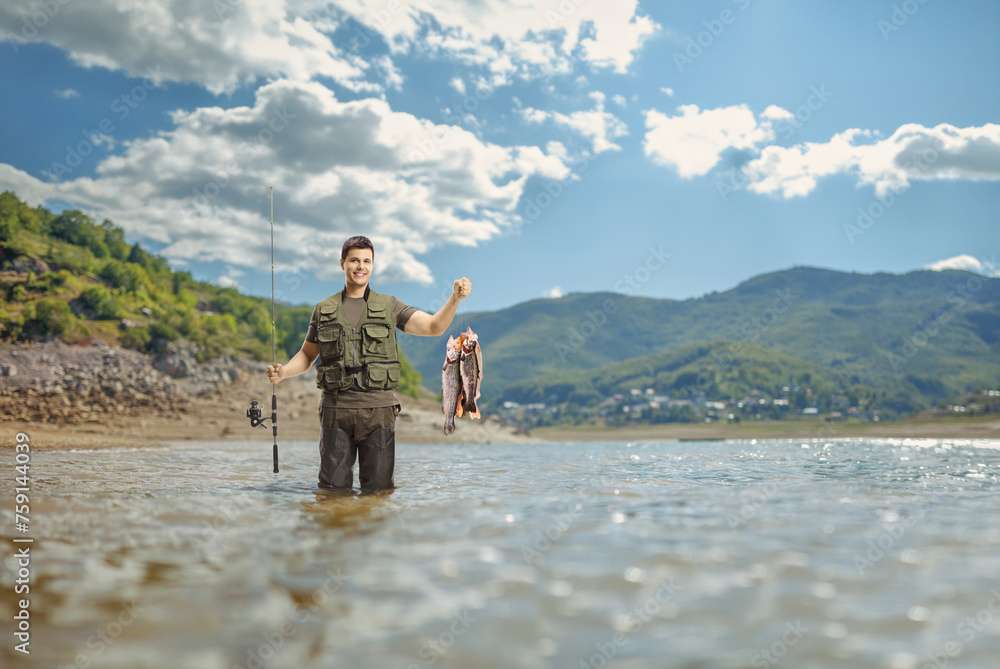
x: 895, y: 342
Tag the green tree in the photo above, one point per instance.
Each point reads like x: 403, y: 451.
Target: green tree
x: 114, y: 239
x: 136, y: 338
x: 409, y: 377
x: 47, y: 318
x: 123, y: 275
x: 101, y: 304
x: 8, y: 227
x: 138, y: 255
x: 76, y: 227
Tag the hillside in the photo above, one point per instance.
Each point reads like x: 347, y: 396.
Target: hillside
x: 65, y: 277
x: 904, y: 342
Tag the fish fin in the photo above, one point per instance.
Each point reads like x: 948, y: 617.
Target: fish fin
x: 479, y: 361
x: 459, y: 405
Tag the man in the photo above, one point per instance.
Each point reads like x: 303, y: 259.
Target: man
x: 352, y: 333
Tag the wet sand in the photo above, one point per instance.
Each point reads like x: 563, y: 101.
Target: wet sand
x: 941, y: 427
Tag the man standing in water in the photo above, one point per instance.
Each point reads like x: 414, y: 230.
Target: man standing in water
x: 352, y: 333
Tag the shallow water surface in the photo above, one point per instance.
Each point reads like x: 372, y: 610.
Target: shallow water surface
x: 804, y: 553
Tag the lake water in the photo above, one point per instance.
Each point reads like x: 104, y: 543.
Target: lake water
x: 800, y: 553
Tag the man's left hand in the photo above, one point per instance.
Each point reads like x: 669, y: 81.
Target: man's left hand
x: 461, y: 288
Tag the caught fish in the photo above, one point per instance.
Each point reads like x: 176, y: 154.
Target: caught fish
x: 451, y: 382
x: 471, y: 365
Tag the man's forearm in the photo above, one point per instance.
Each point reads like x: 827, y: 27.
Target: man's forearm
x: 445, y: 315
x: 298, y: 364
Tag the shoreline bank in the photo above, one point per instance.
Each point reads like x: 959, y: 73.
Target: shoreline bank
x: 222, y: 419
x: 987, y: 427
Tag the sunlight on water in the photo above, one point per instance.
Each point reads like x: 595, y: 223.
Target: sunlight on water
x: 793, y: 553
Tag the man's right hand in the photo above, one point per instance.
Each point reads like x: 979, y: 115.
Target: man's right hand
x: 275, y: 373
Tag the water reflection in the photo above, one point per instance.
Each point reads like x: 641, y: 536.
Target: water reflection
x: 847, y: 552
x: 350, y: 511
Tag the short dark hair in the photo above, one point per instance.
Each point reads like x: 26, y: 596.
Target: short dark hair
x: 356, y: 242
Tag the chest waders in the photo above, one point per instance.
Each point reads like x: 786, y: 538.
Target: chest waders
x: 366, y: 354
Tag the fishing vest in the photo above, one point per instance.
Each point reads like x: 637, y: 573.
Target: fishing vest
x: 367, y: 354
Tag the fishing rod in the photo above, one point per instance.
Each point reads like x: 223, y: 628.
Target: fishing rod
x: 254, y: 413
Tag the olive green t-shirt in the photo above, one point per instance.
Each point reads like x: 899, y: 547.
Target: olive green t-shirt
x: 353, y: 310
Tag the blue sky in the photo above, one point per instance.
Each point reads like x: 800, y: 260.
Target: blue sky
x: 483, y: 142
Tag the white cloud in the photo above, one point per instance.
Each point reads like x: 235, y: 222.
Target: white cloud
x: 27, y: 187
x: 776, y: 113
x: 216, y: 44
x: 457, y: 84
x: 619, y: 100
x: 694, y: 140
x: 230, y: 278
x: 226, y: 43
x: 66, y: 93
x: 666, y: 90
x: 524, y: 39
x: 102, y: 139
x: 967, y: 263
x: 338, y: 168
x: 554, y: 292
x: 912, y: 153
x: 597, y: 125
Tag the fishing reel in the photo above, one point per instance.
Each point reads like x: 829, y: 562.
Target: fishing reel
x: 256, y: 414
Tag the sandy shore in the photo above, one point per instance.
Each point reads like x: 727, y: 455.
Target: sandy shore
x: 916, y: 427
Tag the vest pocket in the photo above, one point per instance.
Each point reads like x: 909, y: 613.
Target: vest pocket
x: 331, y: 340
x: 326, y: 332
x: 377, y: 375
x: 376, y: 340
x: 383, y: 375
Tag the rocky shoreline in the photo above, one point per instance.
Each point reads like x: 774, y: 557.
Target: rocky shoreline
x: 61, y: 384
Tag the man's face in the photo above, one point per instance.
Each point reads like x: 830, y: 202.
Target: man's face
x: 357, y: 267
